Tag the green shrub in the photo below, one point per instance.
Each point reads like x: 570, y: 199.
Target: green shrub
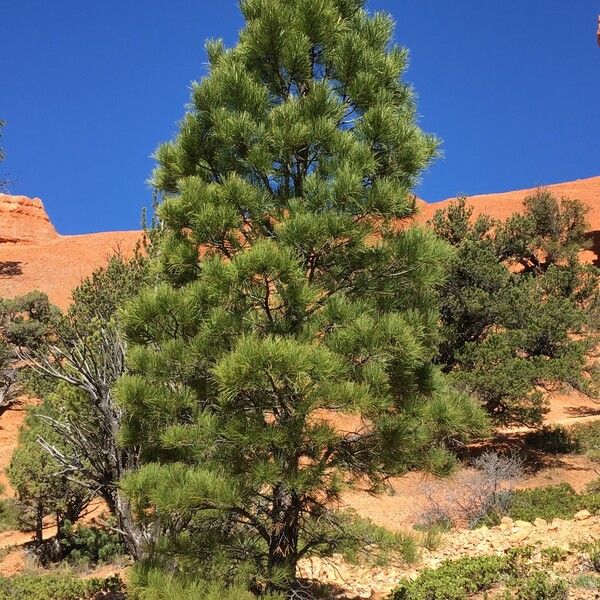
x: 550, y: 502
x: 594, y: 556
x: 538, y: 586
x: 431, y: 535
x: 553, y: 554
x: 58, y: 587
x: 547, y: 503
x: 155, y: 584
x: 456, y: 580
x: 9, y: 514
x: 587, y: 436
x: 460, y: 579
x: 554, y: 439
x: 590, y: 582
x: 90, y: 545
x: 359, y: 532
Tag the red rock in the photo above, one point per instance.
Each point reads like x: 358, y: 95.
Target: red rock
x: 24, y: 219
x: 33, y: 256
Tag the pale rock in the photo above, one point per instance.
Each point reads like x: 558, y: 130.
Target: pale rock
x: 582, y: 515
x: 520, y: 535
x: 523, y: 524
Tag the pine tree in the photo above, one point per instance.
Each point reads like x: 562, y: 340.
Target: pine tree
x: 519, y: 310
x: 42, y: 485
x: 290, y: 294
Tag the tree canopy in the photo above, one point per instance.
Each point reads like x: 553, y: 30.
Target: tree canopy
x: 290, y: 295
x: 519, y: 309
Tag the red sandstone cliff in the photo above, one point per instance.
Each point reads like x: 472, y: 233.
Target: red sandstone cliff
x: 33, y: 256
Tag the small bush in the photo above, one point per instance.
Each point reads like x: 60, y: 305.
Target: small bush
x: 587, y: 436
x: 550, y: 502
x: 594, y: 556
x: 383, y: 544
x: 553, y: 554
x: 538, y: 586
x: 9, y: 514
x: 475, y: 497
x: 456, y: 580
x: 553, y: 440
x: 460, y: 579
x: 590, y: 582
x: 155, y: 584
x: 431, y: 535
x: 547, y: 503
x: 90, y: 545
x: 58, y: 587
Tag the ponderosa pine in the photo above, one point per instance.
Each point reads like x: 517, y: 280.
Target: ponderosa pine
x: 291, y: 295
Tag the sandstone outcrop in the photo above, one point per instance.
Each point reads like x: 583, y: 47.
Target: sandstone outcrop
x: 24, y: 219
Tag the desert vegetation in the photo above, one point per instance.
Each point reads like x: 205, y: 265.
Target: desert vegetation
x: 286, y: 336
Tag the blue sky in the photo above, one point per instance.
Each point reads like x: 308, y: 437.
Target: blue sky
x: 89, y: 88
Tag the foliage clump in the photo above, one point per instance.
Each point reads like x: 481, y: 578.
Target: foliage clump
x: 519, y: 310
x: 553, y: 501
x: 470, y: 576
x: 59, y: 587
x: 90, y: 545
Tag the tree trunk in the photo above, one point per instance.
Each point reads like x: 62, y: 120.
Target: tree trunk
x: 39, y: 524
x: 283, y: 544
x: 60, y: 521
x: 132, y: 535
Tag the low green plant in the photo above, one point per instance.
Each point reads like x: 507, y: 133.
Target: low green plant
x: 59, y: 587
x: 587, y: 436
x: 553, y: 439
x: 456, y: 580
x: 90, y: 545
x: 460, y: 579
x: 365, y: 541
x: 554, y: 501
x: 553, y: 554
x: 594, y: 556
x: 431, y: 535
x: 9, y: 514
x: 156, y: 584
x: 587, y: 581
x: 538, y: 586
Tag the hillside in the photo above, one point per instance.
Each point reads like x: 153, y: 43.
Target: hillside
x: 34, y: 256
